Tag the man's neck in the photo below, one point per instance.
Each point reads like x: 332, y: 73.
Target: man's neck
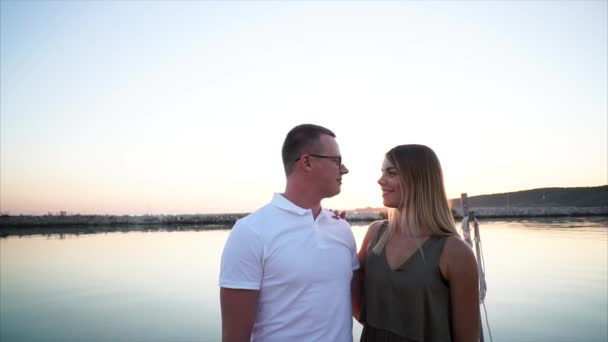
x: 303, y: 199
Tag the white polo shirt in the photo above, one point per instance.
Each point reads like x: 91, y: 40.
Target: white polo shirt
x: 302, y: 268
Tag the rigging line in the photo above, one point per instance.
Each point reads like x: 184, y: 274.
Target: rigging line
x: 487, y: 322
x: 483, y: 277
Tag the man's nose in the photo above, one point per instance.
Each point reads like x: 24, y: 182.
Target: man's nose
x: 343, y: 169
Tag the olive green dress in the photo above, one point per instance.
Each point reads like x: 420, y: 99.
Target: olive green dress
x: 411, y: 303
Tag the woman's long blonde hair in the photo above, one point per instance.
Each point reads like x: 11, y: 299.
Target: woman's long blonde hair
x: 424, y: 204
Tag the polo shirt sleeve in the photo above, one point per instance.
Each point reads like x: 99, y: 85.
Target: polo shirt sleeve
x: 352, y: 245
x: 241, y: 263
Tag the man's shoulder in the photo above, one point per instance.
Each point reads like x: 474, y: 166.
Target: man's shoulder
x: 339, y: 226
x: 334, y: 219
x: 257, y: 219
x: 259, y: 214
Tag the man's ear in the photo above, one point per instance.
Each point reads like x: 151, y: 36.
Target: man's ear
x: 305, y: 163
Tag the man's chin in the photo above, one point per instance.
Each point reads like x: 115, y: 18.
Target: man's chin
x: 334, y: 193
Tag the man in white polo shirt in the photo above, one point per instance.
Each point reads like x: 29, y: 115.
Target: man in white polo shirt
x: 286, y: 269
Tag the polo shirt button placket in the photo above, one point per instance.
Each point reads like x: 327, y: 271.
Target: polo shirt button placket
x: 317, y: 233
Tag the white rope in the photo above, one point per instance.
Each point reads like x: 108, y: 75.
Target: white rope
x: 487, y: 322
x: 466, y: 231
x: 483, y: 287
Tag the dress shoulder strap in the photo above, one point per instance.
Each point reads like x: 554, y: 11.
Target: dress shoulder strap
x: 383, y: 227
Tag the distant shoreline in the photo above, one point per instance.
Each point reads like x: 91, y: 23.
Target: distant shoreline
x: 7, y: 221
x: 88, y: 224
x: 542, y: 202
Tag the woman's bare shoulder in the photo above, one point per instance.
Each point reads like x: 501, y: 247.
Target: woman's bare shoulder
x: 374, y: 227
x: 458, y: 252
x: 372, y: 233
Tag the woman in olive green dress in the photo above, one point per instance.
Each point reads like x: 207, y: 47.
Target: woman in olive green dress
x: 418, y: 279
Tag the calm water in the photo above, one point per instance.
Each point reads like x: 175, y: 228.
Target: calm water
x: 547, y: 281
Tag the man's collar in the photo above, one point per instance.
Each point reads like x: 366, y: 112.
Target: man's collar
x: 280, y: 201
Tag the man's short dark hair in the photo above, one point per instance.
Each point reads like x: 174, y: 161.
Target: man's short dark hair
x: 302, y: 139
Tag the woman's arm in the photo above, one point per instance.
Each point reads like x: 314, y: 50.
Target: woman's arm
x: 459, y: 267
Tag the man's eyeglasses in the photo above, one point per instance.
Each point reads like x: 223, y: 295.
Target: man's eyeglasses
x: 335, y: 159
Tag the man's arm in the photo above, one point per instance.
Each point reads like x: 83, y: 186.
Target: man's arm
x: 238, y: 313
x: 241, y: 270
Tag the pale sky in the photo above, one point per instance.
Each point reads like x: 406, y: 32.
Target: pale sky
x: 168, y: 107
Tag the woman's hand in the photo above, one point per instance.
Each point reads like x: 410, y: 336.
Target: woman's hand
x: 339, y: 214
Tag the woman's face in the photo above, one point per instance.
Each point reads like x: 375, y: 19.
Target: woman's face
x: 390, y: 185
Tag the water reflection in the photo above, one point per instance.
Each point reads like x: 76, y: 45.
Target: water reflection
x: 59, y: 231
x: 547, y: 280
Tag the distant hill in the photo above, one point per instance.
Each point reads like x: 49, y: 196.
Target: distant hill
x: 544, y: 197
